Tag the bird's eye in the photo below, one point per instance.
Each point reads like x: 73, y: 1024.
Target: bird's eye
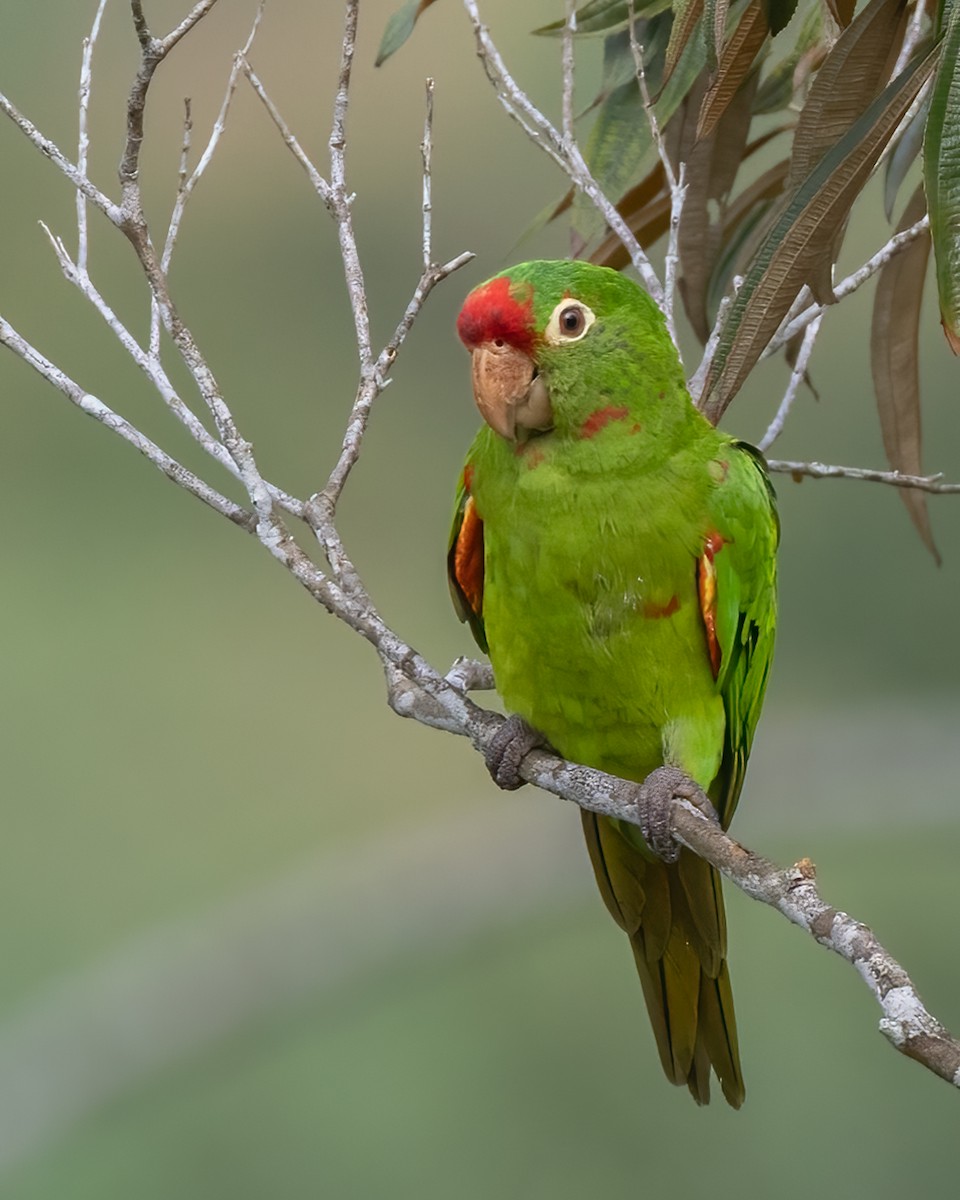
x: 569, y: 322
x: 572, y: 321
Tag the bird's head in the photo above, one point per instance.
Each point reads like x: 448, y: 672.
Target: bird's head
x: 539, y: 330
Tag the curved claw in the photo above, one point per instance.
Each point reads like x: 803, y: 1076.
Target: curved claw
x: 655, y: 798
x: 509, y: 746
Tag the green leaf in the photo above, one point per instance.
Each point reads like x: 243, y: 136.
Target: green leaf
x: 809, y: 220
x: 399, y: 27
x: 686, y: 15
x: 714, y: 19
x: 604, y: 16
x: 941, y: 173
x: 894, y: 361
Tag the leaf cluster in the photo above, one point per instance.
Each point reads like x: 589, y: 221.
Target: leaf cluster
x: 780, y: 111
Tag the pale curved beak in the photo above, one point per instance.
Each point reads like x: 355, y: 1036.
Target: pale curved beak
x: 510, y: 395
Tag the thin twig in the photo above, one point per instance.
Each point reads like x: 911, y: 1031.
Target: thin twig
x: 134, y: 226
x: 426, y: 155
x: 52, y: 151
x: 152, y: 368
x: 676, y: 182
x: 797, y: 376
x: 101, y: 412
x: 569, y: 158
x: 83, y: 141
x: 568, y: 67
x: 317, y: 181
x: 188, y: 182
x: 818, y: 470
x: 849, y: 284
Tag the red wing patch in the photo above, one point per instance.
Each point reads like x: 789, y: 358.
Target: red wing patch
x: 707, y: 589
x: 468, y: 558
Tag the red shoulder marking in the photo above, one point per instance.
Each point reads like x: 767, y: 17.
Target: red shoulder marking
x: 468, y: 557
x: 707, y: 590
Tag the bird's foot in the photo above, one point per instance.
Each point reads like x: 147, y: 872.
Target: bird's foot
x: 509, y: 746
x: 655, y: 808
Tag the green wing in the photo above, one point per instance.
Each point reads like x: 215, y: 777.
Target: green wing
x: 745, y: 513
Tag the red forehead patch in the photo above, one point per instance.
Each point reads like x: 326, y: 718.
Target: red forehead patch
x: 494, y: 312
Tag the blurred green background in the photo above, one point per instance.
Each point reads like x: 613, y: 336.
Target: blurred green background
x: 259, y: 937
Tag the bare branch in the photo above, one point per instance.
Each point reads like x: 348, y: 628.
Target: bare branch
x: 319, y: 184
x: 675, y: 182
x: 905, y: 1021
x: 569, y: 158
x: 83, y: 142
x: 797, y: 376
x: 426, y: 154
x: 151, y: 366
x: 568, y: 66
x: 50, y: 150
x: 197, y: 13
x: 187, y: 182
x: 470, y: 675
x: 96, y: 408
x: 848, y: 285
x: 818, y: 470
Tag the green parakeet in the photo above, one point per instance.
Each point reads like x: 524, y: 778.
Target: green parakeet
x: 615, y: 555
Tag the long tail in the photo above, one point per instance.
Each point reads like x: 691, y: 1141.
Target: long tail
x: 673, y: 915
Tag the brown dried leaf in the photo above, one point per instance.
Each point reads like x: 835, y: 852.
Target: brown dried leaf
x: 842, y: 11
x: 736, y: 62
x: 711, y: 167
x: 850, y: 77
x: 894, y: 360
x: 807, y: 223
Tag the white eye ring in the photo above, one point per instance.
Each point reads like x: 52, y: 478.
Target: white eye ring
x: 569, y: 322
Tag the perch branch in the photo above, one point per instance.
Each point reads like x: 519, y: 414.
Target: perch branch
x: 793, y: 892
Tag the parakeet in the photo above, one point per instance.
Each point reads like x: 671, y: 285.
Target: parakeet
x: 615, y: 554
